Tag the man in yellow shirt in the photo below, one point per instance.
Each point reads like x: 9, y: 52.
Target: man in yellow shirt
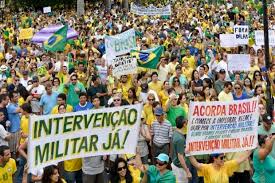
x: 191, y: 59
x: 125, y: 84
x: 226, y: 95
x: 24, y: 125
x: 155, y: 84
x: 61, y: 99
x: 7, y: 165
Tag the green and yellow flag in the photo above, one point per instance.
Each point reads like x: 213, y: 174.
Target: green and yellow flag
x: 148, y: 58
x: 57, y: 41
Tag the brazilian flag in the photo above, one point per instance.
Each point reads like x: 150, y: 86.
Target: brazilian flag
x: 57, y: 41
x: 6, y: 35
x: 148, y: 58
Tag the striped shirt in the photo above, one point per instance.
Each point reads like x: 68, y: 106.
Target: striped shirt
x: 162, y: 132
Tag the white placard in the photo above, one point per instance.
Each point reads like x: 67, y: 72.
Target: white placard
x: 238, y: 62
x: 124, y: 65
x: 151, y: 10
x: 55, y: 138
x: 241, y: 33
x: 259, y: 37
x: 227, y: 41
x: 222, y: 127
x: 47, y: 9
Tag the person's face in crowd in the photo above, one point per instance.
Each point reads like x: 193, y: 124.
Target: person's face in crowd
x: 160, y: 118
x: 228, y: 89
x: 178, y: 71
x: 185, y: 63
x: 176, y: 81
x: 130, y: 93
x: 257, y: 76
x: 188, y: 53
x: 237, y: 77
x: 238, y: 88
x: 183, y: 99
x: 12, y: 73
x: 81, y: 67
x: 56, y: 82
x: 154, y: 78
x: 166, y: 85
x: 124, y: 79
x: 64, y: 69
x: 2, y: 117
x: 247, y: 82
x: 262, y: 109
x: 55, y: 176
x: 207, y: 91
x: 60, y: 101
x: 174, y: 101
x: 151, y: 99
x: 25, y: 76
x: 73, y: 80
x: 96, y: 102
x: 121, y: 168
x: 161, y: 165
x: 6, y: 157
x: 117, y: 101
x: 15, y: 98
x: 163, y: 61
x: 219, y: 160
x: 16, y: 81
x: 224, y: 57
x: 35, y: 83
x: 203, y: 60
x: 259, y: 91
x: 222, y: 76
x: 62, y: 109
x: 82, y: 100
x: 6, y: 101
x: 49, y: 90
x: 44, y: 58
x: 62, y: 57
x: 252, y: 62
x: 4, y: 91
x: 196, y: 75
x: 267, y: 125
x: 201, y: 71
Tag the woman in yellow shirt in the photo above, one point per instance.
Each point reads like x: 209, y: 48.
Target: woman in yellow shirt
x: 163, y: 94
x: 219, y: 171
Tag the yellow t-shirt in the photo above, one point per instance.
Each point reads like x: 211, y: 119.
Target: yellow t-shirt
x: 69, y: 108
x: 212, y: 175
x: 191, y: 61
x: 149, y: 116
x: 187, y: 72
x: 155, y: 86
x: 163, y: 97
x: 24, y: 127
x: 63, y: 78
x: 21, y: 101
x: 73, y: 165
x: 7, y: 171
x: 124, y: 88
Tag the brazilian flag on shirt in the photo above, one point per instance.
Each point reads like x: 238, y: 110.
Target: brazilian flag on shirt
x: 57, y: 41
x: 148, y: 58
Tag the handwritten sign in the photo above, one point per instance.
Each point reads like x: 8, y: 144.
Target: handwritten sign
x: 259, y: 37
x: 227, y: 41
x: 124, y: 65
x: 241, y: 33
x: 238, y: 62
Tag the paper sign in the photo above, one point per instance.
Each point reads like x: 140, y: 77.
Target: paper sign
x: 241, y: 33
x: 259, y: 37
x: 124, y: 65
x: 222, y: 127
x: 238, y: 62
x: 227, y: 41
x: 55, y: 138
x: 47, y: 9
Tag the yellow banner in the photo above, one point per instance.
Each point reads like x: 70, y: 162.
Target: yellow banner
x: 26, y: 33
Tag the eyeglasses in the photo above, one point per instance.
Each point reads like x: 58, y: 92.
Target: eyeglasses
x: 257, y: 74
x: 237, y: 88
x: 176, y: 81
x: 116, y: 100
x: 221, y: 157
x: 151, y: 99
x: 121, y: 168
x: 160, y: 163
x: 73, y: 79
x: 34, y: 81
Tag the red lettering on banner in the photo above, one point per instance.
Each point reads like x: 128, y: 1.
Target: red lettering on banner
x: 231, y: 143
x: 204, y: 145
x: 238, y: 109
x: 215, y: 110
x: 248, y: 141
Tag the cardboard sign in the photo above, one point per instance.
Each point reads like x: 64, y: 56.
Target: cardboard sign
x: 238, y: 62
x: 241, y: 33
x: 227, y: 41
x: 124, y: 65
x: 259, y: 37
x: 47, y: 9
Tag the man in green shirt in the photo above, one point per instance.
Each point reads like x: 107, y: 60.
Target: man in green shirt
x: 173, y: 110
x: 74, y: 88
x: 179, y: 165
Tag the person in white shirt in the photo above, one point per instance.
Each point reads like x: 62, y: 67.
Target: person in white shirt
x: 25, y: 79
x: 223, y: 65
x: 163, y: 69
x: 4, y: 134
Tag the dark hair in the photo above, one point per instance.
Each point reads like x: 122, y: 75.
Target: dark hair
x: 61, y: 105
x: 11, y: 94
x: 94, y: 78
x: 180, y: 120
x: 154, y: 73
x: 48, y: 172
x: 2, y: 149
x: 114, y: 173
x: 55, y: 78
x: 27, y: 107
x: 62, y: 96
x: 261, y: 139
x: 250, y: 85
x: 193, y: 75
x: 254, y: 75
x: 134, y: 94
x: 94, y: 97
x: 209, y: 82
x: 170, y: 90
x: 228, y: 83
x: 83, y: 94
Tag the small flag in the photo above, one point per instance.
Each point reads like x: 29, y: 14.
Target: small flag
x: 148, y: 58
x: 57, y: 41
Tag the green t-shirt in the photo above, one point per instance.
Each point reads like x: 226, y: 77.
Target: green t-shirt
x: 178, y: 148
x: 173, y: 113
x: 73, y: 98
x: 154, y: 176
x: 264, y: 170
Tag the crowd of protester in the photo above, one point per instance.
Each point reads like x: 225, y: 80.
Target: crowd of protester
x: 192, y: 68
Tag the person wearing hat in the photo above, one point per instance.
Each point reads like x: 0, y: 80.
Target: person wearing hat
x: 161, y: 131
x: 159, y: 173
x: 219, y: 84
x: 267, y: 128
x: 179, y: 164
x: 219, y: 170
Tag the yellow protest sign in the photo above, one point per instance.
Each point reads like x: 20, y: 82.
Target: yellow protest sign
x: 26, y: 33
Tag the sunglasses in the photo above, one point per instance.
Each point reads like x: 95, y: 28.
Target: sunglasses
x: 73, y: 79
x: 237, y: 88
x: 257, y: 74
x: 121, y: 168
x: 160, y: 163
x: 176, y: 81
x: 116, y: 100
x: 151, y: 99
x: 221, y: 157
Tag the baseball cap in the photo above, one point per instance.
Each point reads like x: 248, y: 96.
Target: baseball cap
x: 163, y: 157
x: 3, y: 68
x: 35, y: 78
x: 267, y: 118
x: 158, y: 111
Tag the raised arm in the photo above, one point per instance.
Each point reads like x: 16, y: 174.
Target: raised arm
x: 243, y: 157
x: 195, y: 163
x: 263, y: 152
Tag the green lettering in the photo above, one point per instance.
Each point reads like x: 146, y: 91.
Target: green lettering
x: 93, y: 142
x: 57, y: 154
x: 74, y: 143
x: 68, y: 121
x: 122, y: 118
x: 35, y: 130
x: 83, y: 145
x: 113, y: 120
x: 116, y: 141
x: 66, y: 147
x: 132, y: 116
x: 86, y: 121
x: 57, y: 120
x: 107, y: 146
x: 43, y: 126
x: 41, y: 154
x: 97, y: 118
x: 106, y: 119
x: 77, y: 120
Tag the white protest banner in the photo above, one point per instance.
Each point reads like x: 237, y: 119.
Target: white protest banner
x: 151, y: 10
x: 47, y: 9
x: 238, y: 62
x: 259, y: 37
x: 55, y: 138
x: 241, y: 33
x: 120, y: 44
x: 221, y: 127
x: 124, y: 65
x: 227, y: 41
